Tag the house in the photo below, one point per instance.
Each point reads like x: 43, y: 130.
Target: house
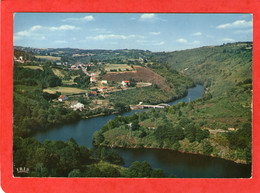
x: 63, y: 98
x: 103, y: 89
x: 76, y: 105
x: 103, y: 81
x: 93, y: 79
x: 93, y: 93
x: 20, y: 60
x: 125, y: 83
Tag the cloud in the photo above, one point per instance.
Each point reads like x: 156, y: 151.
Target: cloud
x: 36, y: 27
x: 38, y: 32
x: 159, y: 43
x: 236, y: 24
x: 150, y: 17
x: 155, y: 33
x: 100, y: 30
x: 112, y: 36
x: 86, y: 18
x: 195, y: 42
x: 29, y: 32
x: 181, y: 40
x: 197, y: 34
x: 63, y: 27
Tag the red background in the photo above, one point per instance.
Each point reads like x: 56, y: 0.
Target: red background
x: 10, y: 184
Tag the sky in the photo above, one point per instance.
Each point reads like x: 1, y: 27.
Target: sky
x: 150, y: 31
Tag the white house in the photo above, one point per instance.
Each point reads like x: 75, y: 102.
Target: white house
x: 76, y: 105
x: 93, y: 79
x: 103, y: 89
x: 103, y: 81
x: 125, y: 83
x: 63, y: 98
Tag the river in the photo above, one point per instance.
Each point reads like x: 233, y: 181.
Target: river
x: 182, y: 165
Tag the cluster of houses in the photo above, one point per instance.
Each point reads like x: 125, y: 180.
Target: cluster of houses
x: 79, y: 66
x: 75, y: 105
x: 20, y: 59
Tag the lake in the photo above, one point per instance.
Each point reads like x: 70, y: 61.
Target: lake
x: 182, y: 165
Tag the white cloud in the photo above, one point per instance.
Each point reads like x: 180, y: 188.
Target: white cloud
x: 100, y: 30
x: 112, y: 36
x: 86, y: 18
x: 149, y: 17
x: 195, y: 42
x: 155, y: 33
x: 159, y: 43
x: 63, y: 27
x: 197, y: 34
x: 17, y: 37
x: 181, y: 40
x: 36, y: 27
x: 236, y: 24
x: 24, y: 33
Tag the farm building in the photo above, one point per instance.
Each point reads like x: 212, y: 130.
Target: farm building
x: 76, y: 105
x: 103, y: 89
x: 125, y: 83
x: 63, y: 98
x: 93, y: 93
x: 93, y: 79
x: 103, y: 81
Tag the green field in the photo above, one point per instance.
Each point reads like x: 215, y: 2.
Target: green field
x: 58, y: 72
x: 123, y: 67
x: 64, y: 90
x: 33, y: 67
x: 52, y: 58
x: 71, y: 81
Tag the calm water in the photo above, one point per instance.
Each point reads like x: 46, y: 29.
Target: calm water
x: 180, y: 164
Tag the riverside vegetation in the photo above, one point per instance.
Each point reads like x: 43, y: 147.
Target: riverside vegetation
x: 218, y: 124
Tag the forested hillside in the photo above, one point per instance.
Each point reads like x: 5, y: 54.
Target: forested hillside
x: 218, y: 124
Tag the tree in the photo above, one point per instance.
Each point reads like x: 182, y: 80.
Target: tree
x: 114, y: 158
x: 110, y: 172
x: 207, y: 148
x: 75, y: 173
x: 139, y: 170
x: 98, y: 138
x: 157, y: 173
x: 132, y: 82
x: 135, y: 125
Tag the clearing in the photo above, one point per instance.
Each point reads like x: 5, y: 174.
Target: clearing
x: 64, y: 90
x: 123, y: 67
x: 33, y: 67
x: 140, y: 74
x: 71, y: 81
x: 52, y: 58
x: 58, y: 72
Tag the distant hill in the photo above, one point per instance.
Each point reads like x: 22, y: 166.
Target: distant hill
x: 218, y: 67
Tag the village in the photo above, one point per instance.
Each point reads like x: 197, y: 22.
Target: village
x: 95, y: 95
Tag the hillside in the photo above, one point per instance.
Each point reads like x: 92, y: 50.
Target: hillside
x: 218, y: 124
x: 140, y: 74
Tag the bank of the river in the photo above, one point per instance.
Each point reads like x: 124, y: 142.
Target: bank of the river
x: 180, y: 151
x: 180, y: 164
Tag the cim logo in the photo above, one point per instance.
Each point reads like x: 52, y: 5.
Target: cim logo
x: 22, y: 170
